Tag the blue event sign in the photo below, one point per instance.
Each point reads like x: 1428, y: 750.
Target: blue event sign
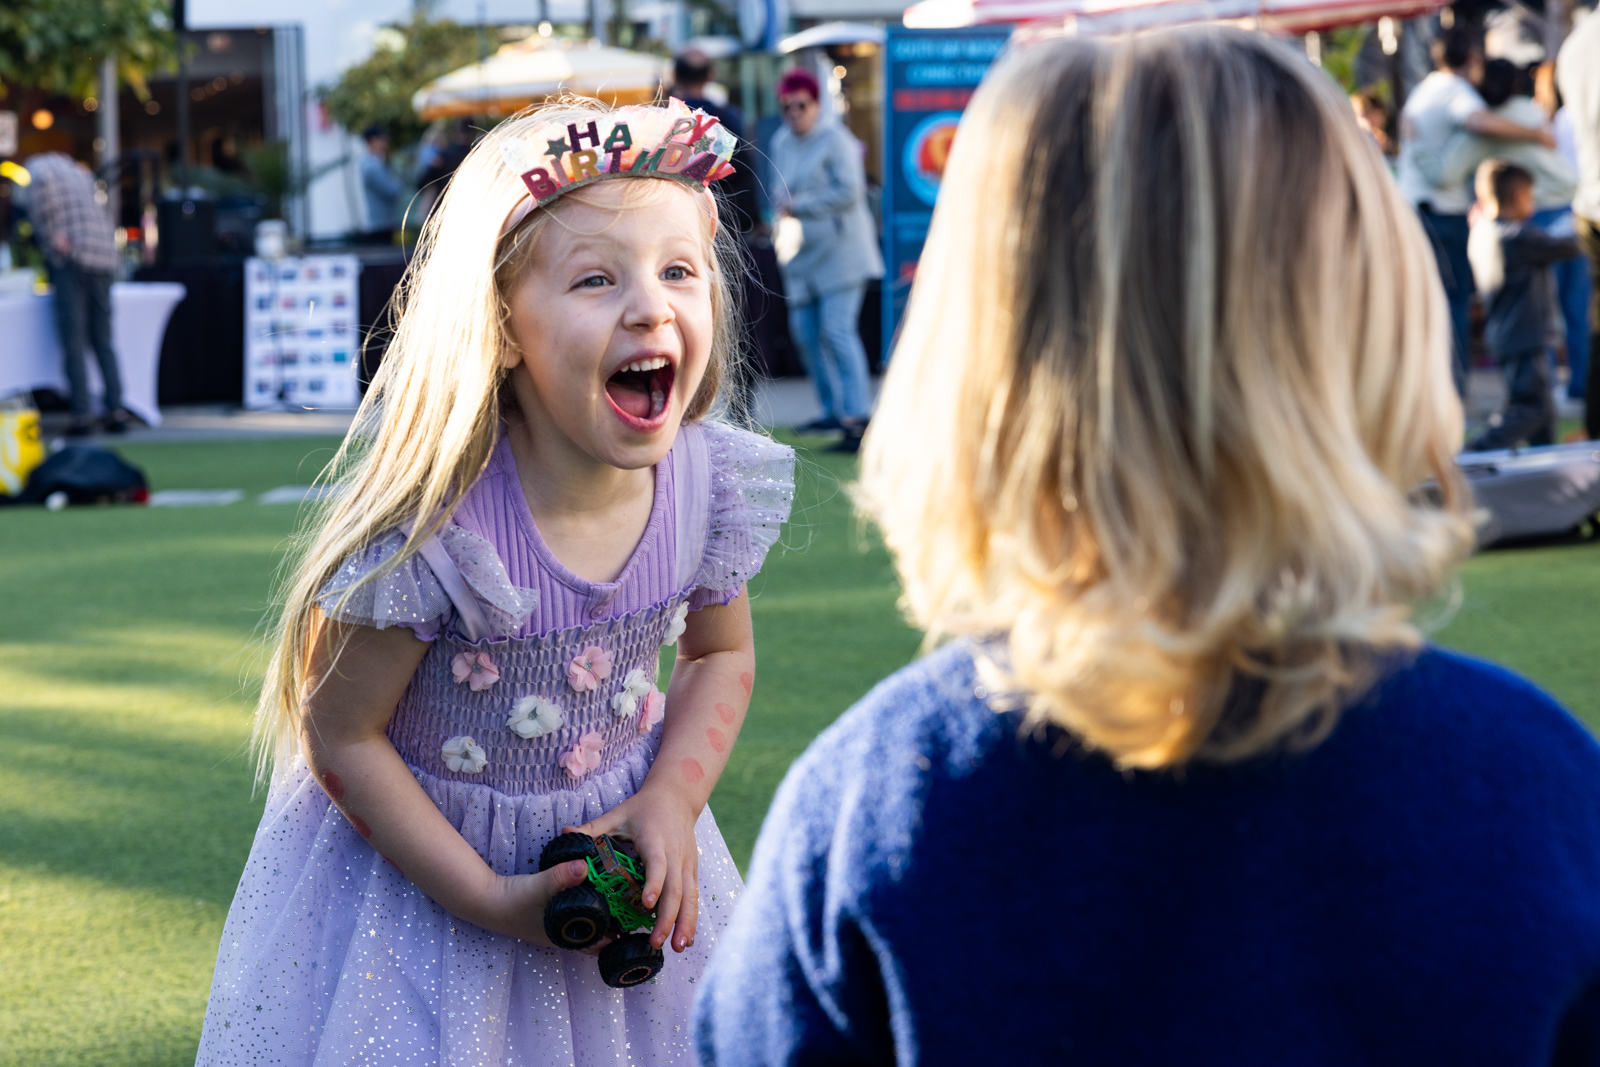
x: 930, y: 74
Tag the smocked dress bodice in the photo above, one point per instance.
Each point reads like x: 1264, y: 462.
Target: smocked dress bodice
x: 536, y: 678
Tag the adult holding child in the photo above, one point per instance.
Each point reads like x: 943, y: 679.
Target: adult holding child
x: 1508, y: 92
x: 1443, y: 104
x: 822, y: 190
x: 1187, y: 785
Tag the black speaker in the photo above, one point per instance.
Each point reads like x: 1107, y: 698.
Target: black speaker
x: 187, y: 230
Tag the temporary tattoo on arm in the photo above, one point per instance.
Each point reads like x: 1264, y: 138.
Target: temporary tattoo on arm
x: 726, y: 713
x: 718, y: 739
x: 692, y: 771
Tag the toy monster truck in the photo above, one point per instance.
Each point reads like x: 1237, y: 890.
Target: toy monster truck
x: 608, y: 903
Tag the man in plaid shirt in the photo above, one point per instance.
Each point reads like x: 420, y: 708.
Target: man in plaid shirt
x: 75, y: 231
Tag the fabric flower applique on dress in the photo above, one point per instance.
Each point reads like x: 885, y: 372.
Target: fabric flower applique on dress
x: 679, y: 623
x: 635, y: 688
x: 534, y: 716
x: 463, y: 755
x: 583, y: 756
x: 655, y: 708
x: 591, y: 667
x: 476, y: 669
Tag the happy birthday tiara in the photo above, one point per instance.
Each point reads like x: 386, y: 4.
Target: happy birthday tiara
x: 640, y: 141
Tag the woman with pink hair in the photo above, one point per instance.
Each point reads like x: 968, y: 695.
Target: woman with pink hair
x: 821, y: 184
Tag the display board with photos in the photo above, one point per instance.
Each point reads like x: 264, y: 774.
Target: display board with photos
x: 302, y: 340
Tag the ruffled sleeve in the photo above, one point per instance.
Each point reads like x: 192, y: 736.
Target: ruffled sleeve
x: 751, y: 491
x: 412, y: 595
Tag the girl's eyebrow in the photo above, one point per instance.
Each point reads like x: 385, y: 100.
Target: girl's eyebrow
x: 589, y: 242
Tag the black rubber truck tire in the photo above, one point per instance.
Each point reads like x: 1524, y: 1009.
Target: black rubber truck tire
x: 564, y: 848
x: 630, y: 960
x: 577, y: 917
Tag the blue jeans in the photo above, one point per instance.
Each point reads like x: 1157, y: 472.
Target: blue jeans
x: 825, y: 331
x: 83, y: 319
x: 1572, y: 295
x: 1448, y: 235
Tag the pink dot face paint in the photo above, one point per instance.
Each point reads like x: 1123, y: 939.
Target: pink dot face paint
x: 719, y: 741
x: 692, y: 771
x: 747, y: 680
x: 333, y: 786
x: 360, y: 824
x: 726, y: 713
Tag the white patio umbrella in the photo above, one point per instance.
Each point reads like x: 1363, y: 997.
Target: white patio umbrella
x: 537, y: 69
x: 1095, y: 17
x: 830, y: 33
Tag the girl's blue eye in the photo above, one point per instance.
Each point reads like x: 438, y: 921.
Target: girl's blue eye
x: 675, y: 274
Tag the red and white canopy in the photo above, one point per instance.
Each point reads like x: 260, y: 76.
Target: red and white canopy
x: 1099, y: 17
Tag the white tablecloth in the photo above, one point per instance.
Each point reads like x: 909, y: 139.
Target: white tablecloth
x: 30, y: 352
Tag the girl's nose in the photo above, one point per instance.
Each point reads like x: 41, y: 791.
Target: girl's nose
x: 648, y: 307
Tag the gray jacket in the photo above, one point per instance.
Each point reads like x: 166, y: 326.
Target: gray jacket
x: 822, y: 176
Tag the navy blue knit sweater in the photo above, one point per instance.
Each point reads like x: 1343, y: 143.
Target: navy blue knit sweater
x: 1422, y: 888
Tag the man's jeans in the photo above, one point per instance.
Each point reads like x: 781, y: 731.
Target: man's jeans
x: 1448, y: 234
x: 83, y: 318
x: 1572, y: 294
x: 825, y: 331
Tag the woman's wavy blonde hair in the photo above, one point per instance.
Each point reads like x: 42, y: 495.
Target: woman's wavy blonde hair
x: 1173, y: 377
x: 432, y: 415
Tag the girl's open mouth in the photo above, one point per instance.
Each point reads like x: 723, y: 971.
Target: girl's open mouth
x: 640, y: 390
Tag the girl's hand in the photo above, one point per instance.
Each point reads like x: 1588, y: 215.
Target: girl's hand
x: 660, y: 823
x: 516, y: 903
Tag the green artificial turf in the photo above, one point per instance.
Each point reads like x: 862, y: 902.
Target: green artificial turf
x: 129, y: 656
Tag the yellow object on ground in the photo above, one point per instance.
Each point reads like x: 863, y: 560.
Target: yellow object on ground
x: 21, y: 448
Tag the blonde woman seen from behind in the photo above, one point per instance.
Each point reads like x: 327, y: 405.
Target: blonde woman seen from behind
x: 1165, y: 461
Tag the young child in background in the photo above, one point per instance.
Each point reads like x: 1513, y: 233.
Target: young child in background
x: 1188, y: 787
x: 534, y: 502
x: 1511, y: 258
x: 1372, y: 115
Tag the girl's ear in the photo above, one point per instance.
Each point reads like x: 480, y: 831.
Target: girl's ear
x: 510, y: 354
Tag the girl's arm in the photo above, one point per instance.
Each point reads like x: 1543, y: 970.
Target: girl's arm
x: 706, y: 703
x: 353, y: 697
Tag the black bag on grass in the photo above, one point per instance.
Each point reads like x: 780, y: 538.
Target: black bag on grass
x: 87, y: 475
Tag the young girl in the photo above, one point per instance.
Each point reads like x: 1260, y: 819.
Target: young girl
x: 534, y: 504
x: 1191, y: 789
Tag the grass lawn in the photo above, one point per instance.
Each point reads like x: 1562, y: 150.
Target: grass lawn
x: 127, y: 672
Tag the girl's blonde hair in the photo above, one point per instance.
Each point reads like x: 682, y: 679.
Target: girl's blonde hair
x: 1173, y: 378
x: 432, y: 415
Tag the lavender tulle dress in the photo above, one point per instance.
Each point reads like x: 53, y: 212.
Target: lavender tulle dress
x: 330, y: 955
